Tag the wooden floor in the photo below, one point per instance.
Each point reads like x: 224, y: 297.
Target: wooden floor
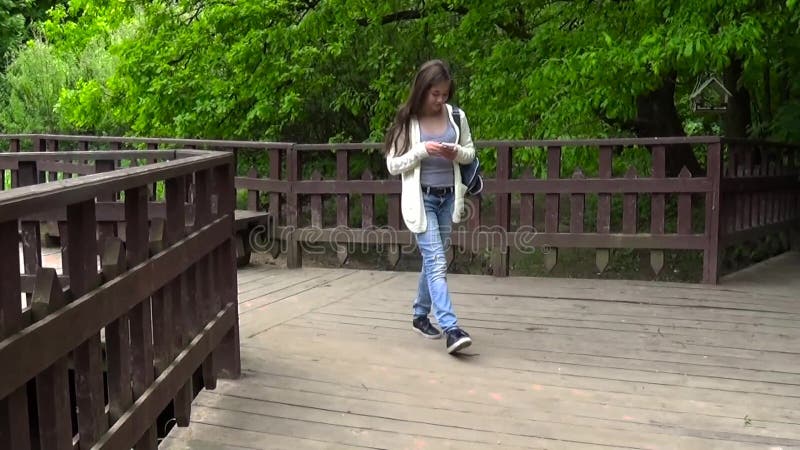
x: 330, y: 361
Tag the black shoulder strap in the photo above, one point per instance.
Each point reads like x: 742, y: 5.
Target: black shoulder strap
x: 457, y: 117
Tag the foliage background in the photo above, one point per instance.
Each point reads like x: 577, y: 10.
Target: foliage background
x: 336, y: 70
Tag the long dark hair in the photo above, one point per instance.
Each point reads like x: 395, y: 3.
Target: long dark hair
x: 432, y: 72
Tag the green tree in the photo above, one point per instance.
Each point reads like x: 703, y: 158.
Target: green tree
x: 33, y: 83
x: 12, y: 26
x: 57, y: 82
x: 320, y: 70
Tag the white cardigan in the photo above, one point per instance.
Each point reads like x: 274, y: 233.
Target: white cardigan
x: 408, y: 165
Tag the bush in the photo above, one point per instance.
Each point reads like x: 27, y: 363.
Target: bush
x: 33, y: 83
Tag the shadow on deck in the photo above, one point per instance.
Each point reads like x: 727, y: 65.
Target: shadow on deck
x: 329, y: 361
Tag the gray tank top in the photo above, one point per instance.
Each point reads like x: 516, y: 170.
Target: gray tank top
x: 436, y: 171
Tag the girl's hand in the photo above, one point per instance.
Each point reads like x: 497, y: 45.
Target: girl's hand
x: 433, y: 148
x: 448, y: 152
x: 437, y: 149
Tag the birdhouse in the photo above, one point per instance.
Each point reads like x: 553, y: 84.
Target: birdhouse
x: 710, y: 97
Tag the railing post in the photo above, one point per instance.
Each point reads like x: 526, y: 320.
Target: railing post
x: 342, y: 202
x: 106, y: 229
x: 175, y: 231
x: 118, y: 344
x: 552, y: 206
x: 228, y: 355
x: 500, y: 250
x: 252, y: 194
x: 793, y: 202
x: 31, y: 230
x: 294, y: 255
x: 711, y: 254
x: 141, y: 328
x: 154, y: 188
x: 52, y: 146
x: 658, y: 207
x: 207, y: 308
x: 275, y: 209
x: 393, y: 247
x: 39, y: 145
x: 14, y: 147
x: 82, y: 261
x: 52, y: 385
x: 14, y: 408
x: 603, y: 255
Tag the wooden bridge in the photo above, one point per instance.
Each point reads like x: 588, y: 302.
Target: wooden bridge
x: 329, y: 360
x: 130, y: 327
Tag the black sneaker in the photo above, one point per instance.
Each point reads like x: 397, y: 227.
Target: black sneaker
x: 424, y: 327
x: 457, y: 339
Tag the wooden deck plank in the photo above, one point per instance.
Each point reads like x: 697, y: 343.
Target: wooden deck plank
x: 337, y: 428
x: 536, y: 350
x: 777, y: 305
x: 283, y: 309
x: 319, y: 343
x: 271, y: 281
x: 474, y: 393
x: 173, y: 443
x: 271, y: 292
x: 530, y: 304
x: 642, y: 417
x: 676, y: 294
x: 626, y: 306
x: 547, y: 431
x: 755, y: 340
x: 774, y: 276
x: 778, y: 340
x: 206, y: 434
x: 566, y: 339
x: 330, y: 361
x: 762, y: 348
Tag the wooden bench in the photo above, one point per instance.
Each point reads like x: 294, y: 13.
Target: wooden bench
x: 250, y: 226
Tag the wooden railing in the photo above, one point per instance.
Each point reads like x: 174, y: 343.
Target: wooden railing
x: 760, y: 191
x: 508, y: 219
x: 156, y: 318
x: 745, y: 191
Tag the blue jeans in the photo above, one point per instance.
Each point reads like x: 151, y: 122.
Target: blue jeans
x: 432, y: 245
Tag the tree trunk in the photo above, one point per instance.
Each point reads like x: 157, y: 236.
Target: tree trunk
x: 657, y: 116
x: 738, y: 118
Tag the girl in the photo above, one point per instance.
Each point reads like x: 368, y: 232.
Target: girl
x: 426, y: 147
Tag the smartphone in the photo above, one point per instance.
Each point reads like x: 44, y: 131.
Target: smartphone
x: 448, y: 145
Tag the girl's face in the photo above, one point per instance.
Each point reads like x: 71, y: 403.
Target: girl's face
x: 436, y: 98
